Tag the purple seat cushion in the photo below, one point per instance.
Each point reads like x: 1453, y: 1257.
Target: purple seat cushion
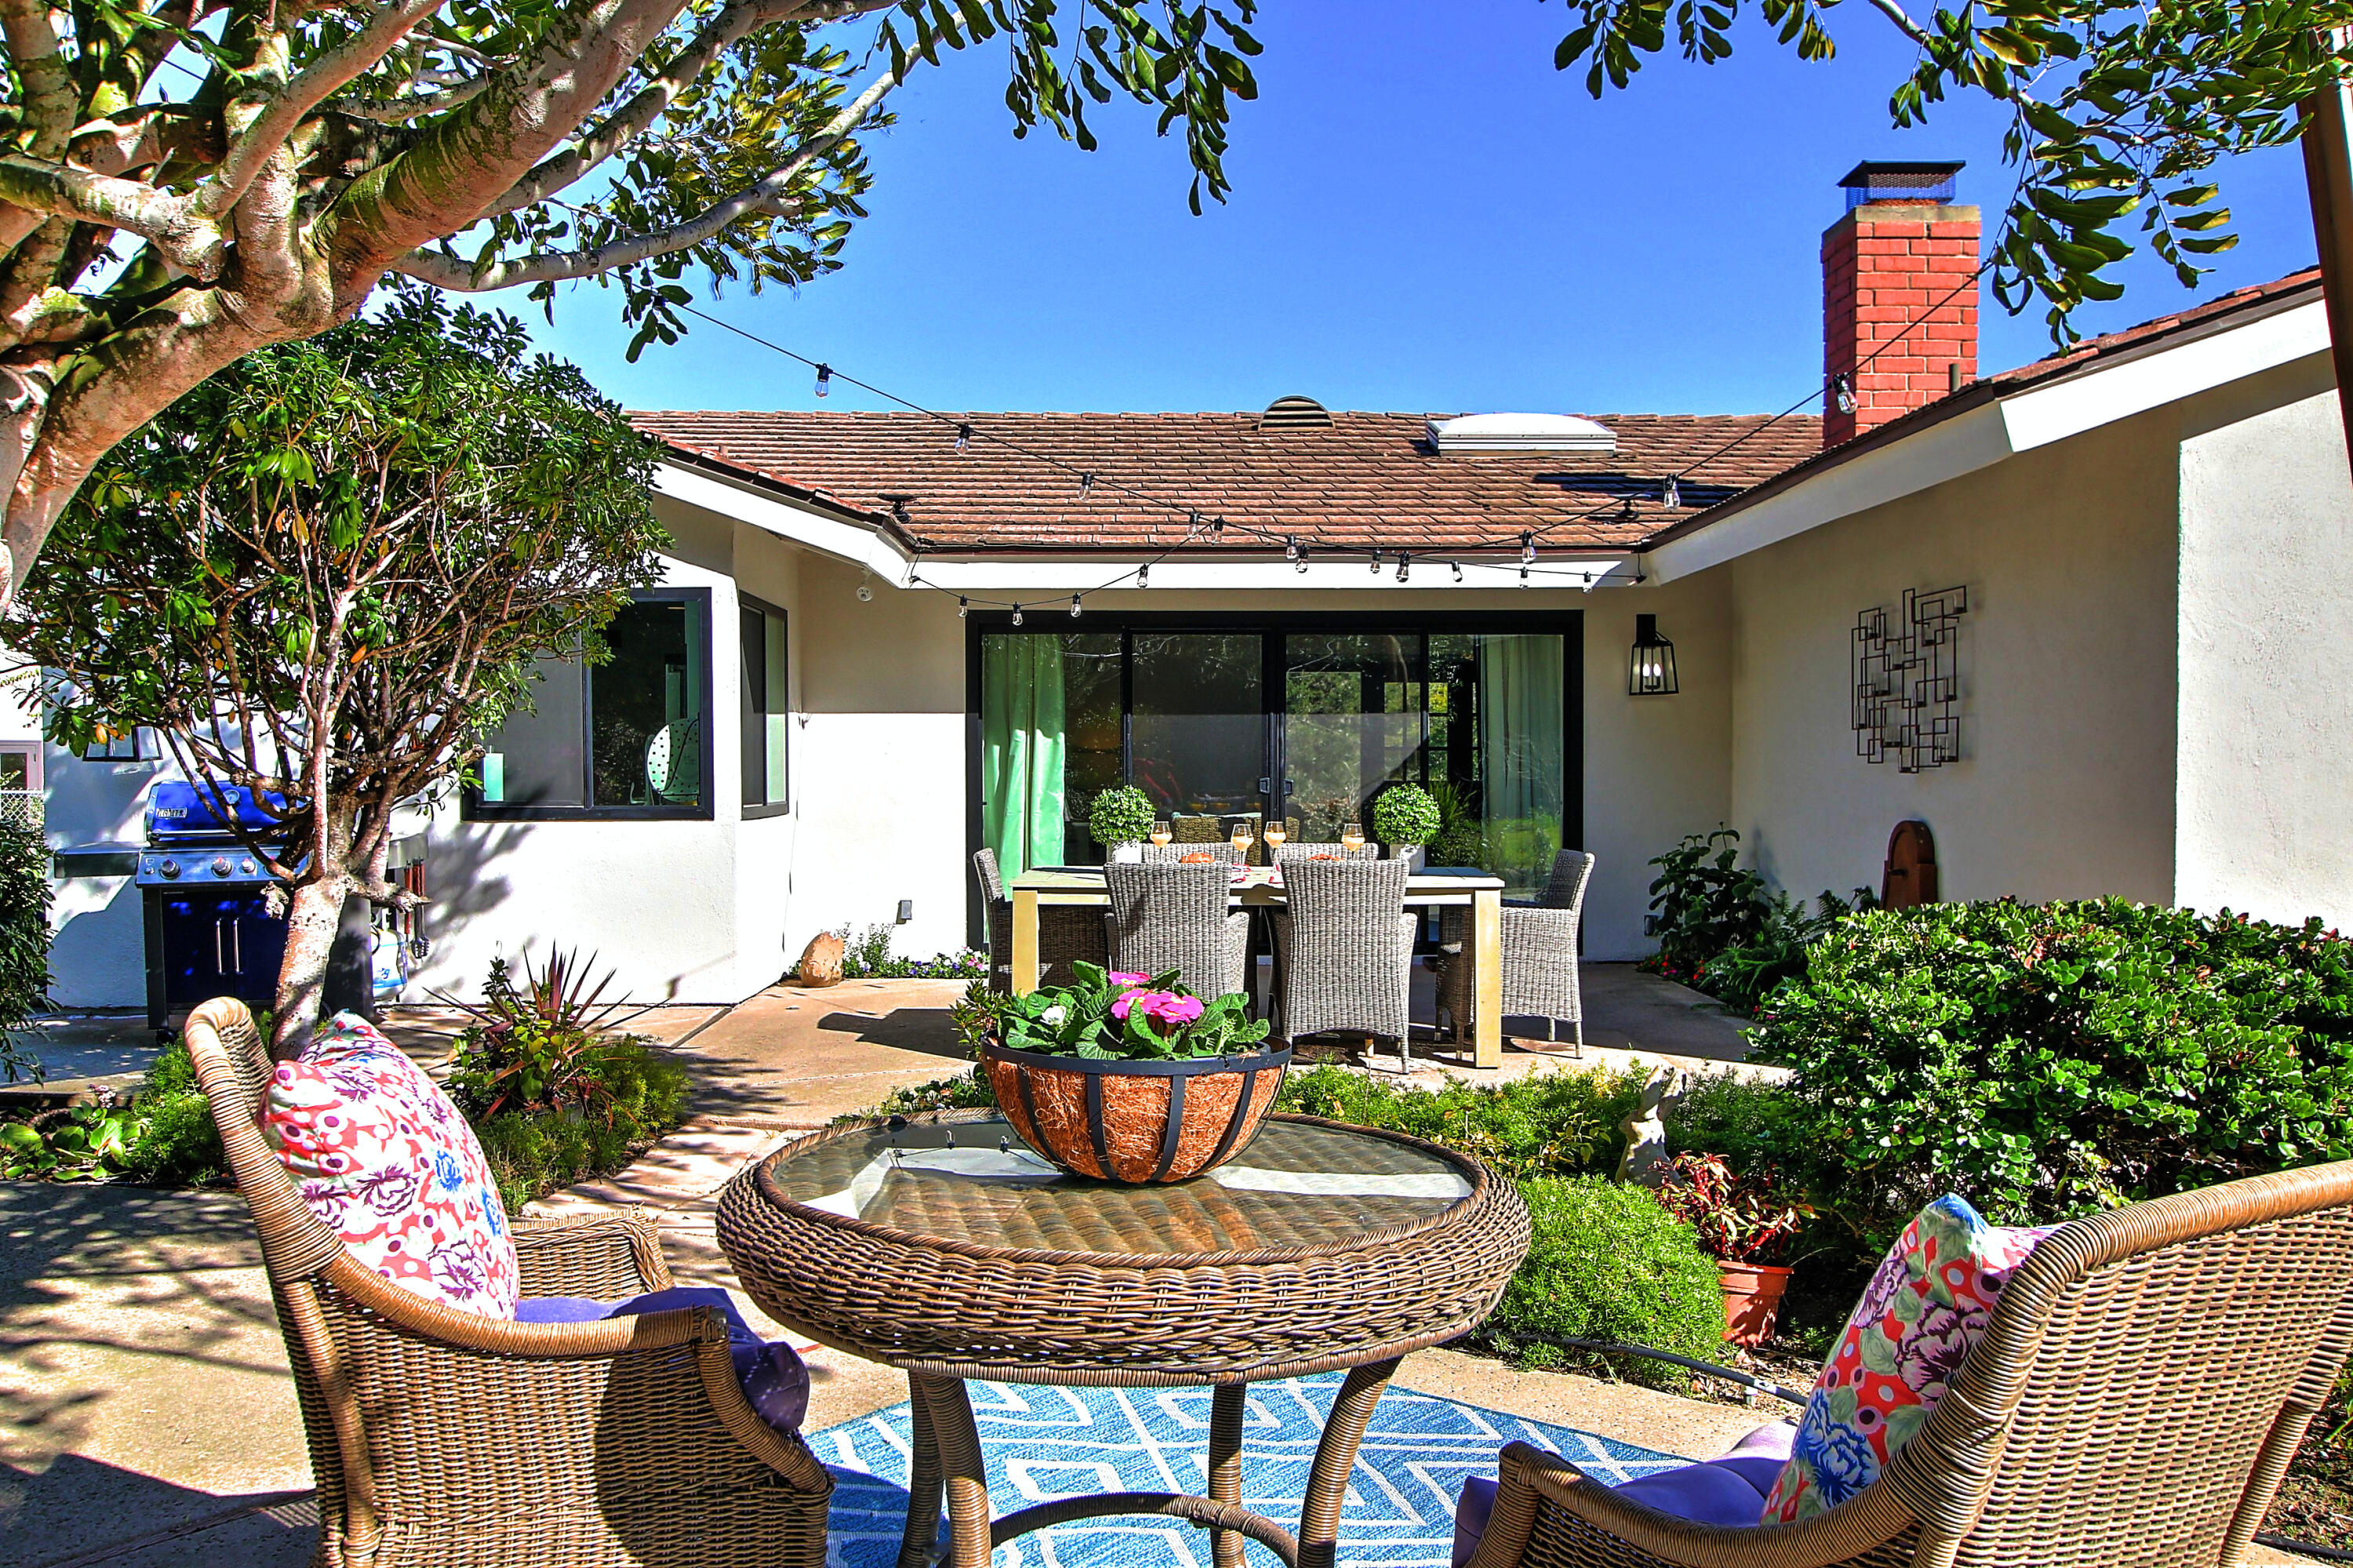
x: 773, y: 1376
x: 1728, y: 1490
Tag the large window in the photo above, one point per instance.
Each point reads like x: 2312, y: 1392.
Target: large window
x: 1311, y: 717
x: 628, y: 738
x: 140, y: 745
x: 764, y: 708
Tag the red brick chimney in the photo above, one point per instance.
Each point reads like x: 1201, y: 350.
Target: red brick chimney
x: 1902, y: 248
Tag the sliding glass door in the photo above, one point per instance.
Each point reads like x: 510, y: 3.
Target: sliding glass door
x: 1321, y: 712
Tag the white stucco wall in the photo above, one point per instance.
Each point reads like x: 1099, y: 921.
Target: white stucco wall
x: 2064, y: 788
x: 2264, y: 800
x: 1655, y: 768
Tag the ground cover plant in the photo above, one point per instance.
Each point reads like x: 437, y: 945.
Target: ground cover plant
x: 161, y: 1135
x: 868, y: 956
x: 555, y: 1090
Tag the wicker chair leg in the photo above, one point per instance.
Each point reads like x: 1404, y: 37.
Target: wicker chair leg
x: 1335, y: 1456
x: 1226, y: 1403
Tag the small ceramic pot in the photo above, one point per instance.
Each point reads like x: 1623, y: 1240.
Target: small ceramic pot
x: 1752, y: 1299
x: 1135, y: 1122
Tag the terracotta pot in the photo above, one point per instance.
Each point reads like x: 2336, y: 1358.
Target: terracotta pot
x: 1752, y: 1299
x: 1135, y: 1122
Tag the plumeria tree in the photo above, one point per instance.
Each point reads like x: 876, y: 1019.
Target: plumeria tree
x: 324, y: 574
x: 2119, y: 109
x: 184, y: 181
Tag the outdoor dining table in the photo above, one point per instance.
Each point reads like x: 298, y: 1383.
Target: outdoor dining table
x: 944, y: 1247
x: 1437, y: 886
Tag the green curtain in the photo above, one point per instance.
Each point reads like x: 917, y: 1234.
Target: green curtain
x: 1022, y: 749
x: 1520, y: 699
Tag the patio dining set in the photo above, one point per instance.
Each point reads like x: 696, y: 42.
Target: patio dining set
x: 2134, y: 1398
x: 1342, y: 924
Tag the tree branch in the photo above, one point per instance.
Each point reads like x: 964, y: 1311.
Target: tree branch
x: 738, y: 20
x: 448, y: 272
x: 1904, y: 22
x: 51, y: 102
x: 400, y: 111
x: 330, y: 72
x: 191, y: 242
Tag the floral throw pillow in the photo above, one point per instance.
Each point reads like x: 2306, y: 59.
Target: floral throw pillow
x: 1923, y: 1310
x: 380, y: 1154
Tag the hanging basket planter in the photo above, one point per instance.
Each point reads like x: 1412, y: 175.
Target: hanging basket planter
x: 1134, y: 1121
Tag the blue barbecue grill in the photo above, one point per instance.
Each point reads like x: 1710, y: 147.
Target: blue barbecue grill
x: 209, y: 930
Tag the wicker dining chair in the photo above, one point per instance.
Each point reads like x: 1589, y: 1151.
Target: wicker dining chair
x: 1539, y: 955
x: 1344, y: 951
x: 1167, y: 917
x: 1066, y: 932
x: 2139, y: 1391
x: 440, y: 1436
x: 1223, y: 852
x: 1333, y: 851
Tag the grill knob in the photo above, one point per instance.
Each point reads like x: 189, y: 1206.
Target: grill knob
x: 220, y: 865
x: 170, y: 868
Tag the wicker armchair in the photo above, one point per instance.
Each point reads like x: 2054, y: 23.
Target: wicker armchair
x: 1167, y: 917
x: 440, y: 1436
x: 2145, y: 1380
x: 1539, y: 954
x: 1175, y: 853
x: 1344, y: 951
x: 1065, y: 932
x: 1333, y: 851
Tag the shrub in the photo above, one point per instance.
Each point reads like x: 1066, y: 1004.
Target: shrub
x: 1608, y: 1264
x: 24, y: 941
x: 164, y: 1136
x: 1547, y: 1125
x: 2044, y: 1062
x: 535, y: 1153
x: 1405, y: 814
x: 1702, y: 903
x: 1748, y: 1215
x: 1749, y: 1122
x: 1744, y: 975
x: 1122, y: 815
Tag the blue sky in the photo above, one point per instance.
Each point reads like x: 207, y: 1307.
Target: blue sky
x: 1426, y: 216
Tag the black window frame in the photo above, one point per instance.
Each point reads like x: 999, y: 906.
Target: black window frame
x: 146, y: 745
x: 474, y: 809
x: 1274, y: 627
x: 782, y: 620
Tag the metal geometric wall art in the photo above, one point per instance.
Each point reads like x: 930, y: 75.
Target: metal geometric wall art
x: 1908, y: 681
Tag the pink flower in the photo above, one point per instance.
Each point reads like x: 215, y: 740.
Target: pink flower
x: 1165, y: 1008
x: 1132, y: 981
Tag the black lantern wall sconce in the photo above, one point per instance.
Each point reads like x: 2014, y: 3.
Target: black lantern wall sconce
x: 1651, y: 670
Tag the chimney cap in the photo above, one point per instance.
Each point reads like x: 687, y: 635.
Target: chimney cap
x: 1870, y: 182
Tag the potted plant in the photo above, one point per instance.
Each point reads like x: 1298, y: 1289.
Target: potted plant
x: 1120, y: 816
x: 1127, y: 1077
x: 1405, y: 818
x: 1746, y: 1223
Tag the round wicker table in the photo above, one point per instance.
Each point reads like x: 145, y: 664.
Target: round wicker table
x: 945, y: 1249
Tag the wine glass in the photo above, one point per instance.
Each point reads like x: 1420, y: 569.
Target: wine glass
x: 1275, y: 836
x: 1242, y: 837
x: 1352, y: 838
x: 1161, y: 833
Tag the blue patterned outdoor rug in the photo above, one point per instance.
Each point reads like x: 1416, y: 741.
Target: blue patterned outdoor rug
x: 1047, y: 1443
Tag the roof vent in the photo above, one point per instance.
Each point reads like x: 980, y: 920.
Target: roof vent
x: 1870, y: 182
x: 1474, y: 433
x: 1295, y: 413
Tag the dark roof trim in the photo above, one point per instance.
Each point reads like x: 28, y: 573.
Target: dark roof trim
x: 2126, y: 347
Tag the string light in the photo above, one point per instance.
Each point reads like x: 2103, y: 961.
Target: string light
x: 1143, y: 574
x: 1016, y: 615
x: 1458, y: 570
x: 964, y: 436
x: 1290, y: 548
x: 1086, y: 485
x: 1377, y: 563
x: 1842, y: 392
x: 1523, y: 576
x: 1299, y: 560
x: 1672, y: 495
x: 824, y: 379
x: 964, y: 607
x: 1405, y: 565
x: 1075, y: 606
x: 1527, y: 552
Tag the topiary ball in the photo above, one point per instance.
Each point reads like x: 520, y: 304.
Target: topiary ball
x: 1405, y: 814
x: 1120, y: 816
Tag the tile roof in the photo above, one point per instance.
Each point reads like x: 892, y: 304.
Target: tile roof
x: 1367, y: 480
x: 2218, y: 314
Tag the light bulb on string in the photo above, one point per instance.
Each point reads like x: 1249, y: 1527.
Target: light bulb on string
x: 1672, y: 496
x: 964, y: 436
x: 1405, y: 565
x: 1589, y: 582
x: 964, y: 607
x: 1086, y: 485
x: 1075, y: 606
x: 1842, y: 392
x: 1523, y: 576
x: 1377, y: 563
x: 1458, y: 570
x: 1016, y: 615
x: 1291, y: 546
x: 1527, y: 551
x: 1299, y: 560
x: 1143, y: 574
x: 824, y: 379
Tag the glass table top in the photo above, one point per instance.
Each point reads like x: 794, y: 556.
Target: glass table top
x: 977, y: 1183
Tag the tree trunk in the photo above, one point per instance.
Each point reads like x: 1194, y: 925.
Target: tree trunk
x: 311, y: 919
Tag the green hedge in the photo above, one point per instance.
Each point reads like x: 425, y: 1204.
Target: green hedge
x: 2048, y: 1061
x: 24, y: 940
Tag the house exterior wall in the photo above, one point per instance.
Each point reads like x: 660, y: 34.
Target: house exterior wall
x: 2065, y: 784
x: 2264, y: 806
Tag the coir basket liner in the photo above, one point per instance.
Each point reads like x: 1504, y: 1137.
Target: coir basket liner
x: 1137, y: 1121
